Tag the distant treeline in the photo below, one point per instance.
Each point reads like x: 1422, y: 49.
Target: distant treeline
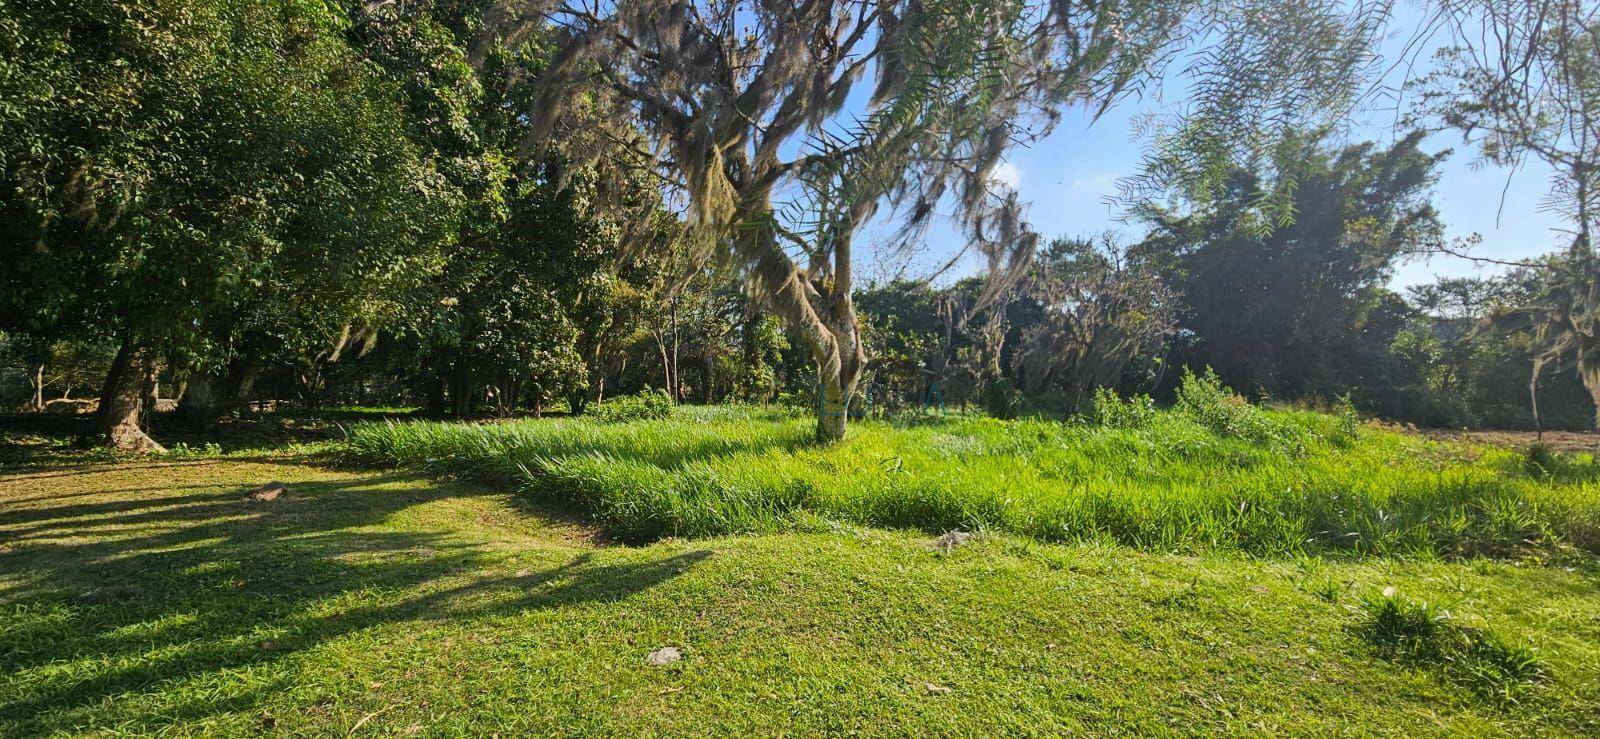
x: 207, y: 202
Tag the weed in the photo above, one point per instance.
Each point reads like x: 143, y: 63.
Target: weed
x: 1111, y: 411
x: 1539, y: 459
x: 185, y: 451
x: 650, y: 405
x: 1203, y: 398
x: 1425, y: 635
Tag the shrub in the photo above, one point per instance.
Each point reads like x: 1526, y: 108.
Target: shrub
x: 1109, y: 410
x: 1002, y: 399
x: 184, y: 451
x: 650, y: 405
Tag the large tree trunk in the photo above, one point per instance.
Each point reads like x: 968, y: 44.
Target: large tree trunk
x: 239, y: 384
x: 1589, y: 372
x: 833, y: 405
x: 461, y: 389
x: 36, y: 378
x: 122, y: 402
x: 198, y: 406
x: 823, y: 315
x: 209, y: 396
x: 435, y: 396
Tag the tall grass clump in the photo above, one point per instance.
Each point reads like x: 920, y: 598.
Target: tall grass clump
x: 1203, y: 398
x: 1213, y: 472
x: 1425, y: 635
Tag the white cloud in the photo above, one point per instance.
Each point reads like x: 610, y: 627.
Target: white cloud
x: 1097, y: 183
x: 1006, y: 174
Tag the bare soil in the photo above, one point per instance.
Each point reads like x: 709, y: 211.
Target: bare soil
x: 1561, y: 441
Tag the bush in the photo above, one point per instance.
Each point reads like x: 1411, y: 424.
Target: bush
x: 1111, y: 411
x: 1002, y: 399
x: 650, y: 405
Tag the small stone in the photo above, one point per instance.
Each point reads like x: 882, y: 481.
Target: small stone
x: 952, y: 539
x: 268, y: 492
x: 664, y: 656
x: 112, y: 594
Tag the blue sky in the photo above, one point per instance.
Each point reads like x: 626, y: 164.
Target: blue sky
x: 1067, y: 177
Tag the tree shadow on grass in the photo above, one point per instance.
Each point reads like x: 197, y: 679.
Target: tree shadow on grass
x: 149, y: 589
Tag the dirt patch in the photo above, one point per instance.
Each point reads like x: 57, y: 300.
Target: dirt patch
x: 1561, y: 441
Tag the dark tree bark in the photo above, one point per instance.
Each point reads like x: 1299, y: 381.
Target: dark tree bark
x: 122, y: 401
x: 210, y: 396
x: 198, y: 406
x: 435, y: 396
x: 239, y: 384
x: 677, y: 380
x: 461, y: 381
x: 36, y: 378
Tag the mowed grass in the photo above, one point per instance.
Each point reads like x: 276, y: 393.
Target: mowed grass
x: 156, y: 599
x: 1215, y: 474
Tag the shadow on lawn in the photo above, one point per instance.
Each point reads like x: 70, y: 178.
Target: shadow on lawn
x: 136, y: 593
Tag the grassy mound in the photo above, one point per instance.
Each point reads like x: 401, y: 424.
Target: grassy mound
x: 162, y: 600
x: 1211, y: 473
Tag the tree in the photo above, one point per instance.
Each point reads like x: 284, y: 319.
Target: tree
x: 911, y: 333
x: 1474, y: 370
x: 263, y: 164
x: 1281, y: 308
x: 542, y: 290
x: 1537, y: 94
x: 750, y: 102
x: 1562, y: 317
x: 1099, y: 308
x: 63, y: 365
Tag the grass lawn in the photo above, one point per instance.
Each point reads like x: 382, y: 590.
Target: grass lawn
x: 155, y: 598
